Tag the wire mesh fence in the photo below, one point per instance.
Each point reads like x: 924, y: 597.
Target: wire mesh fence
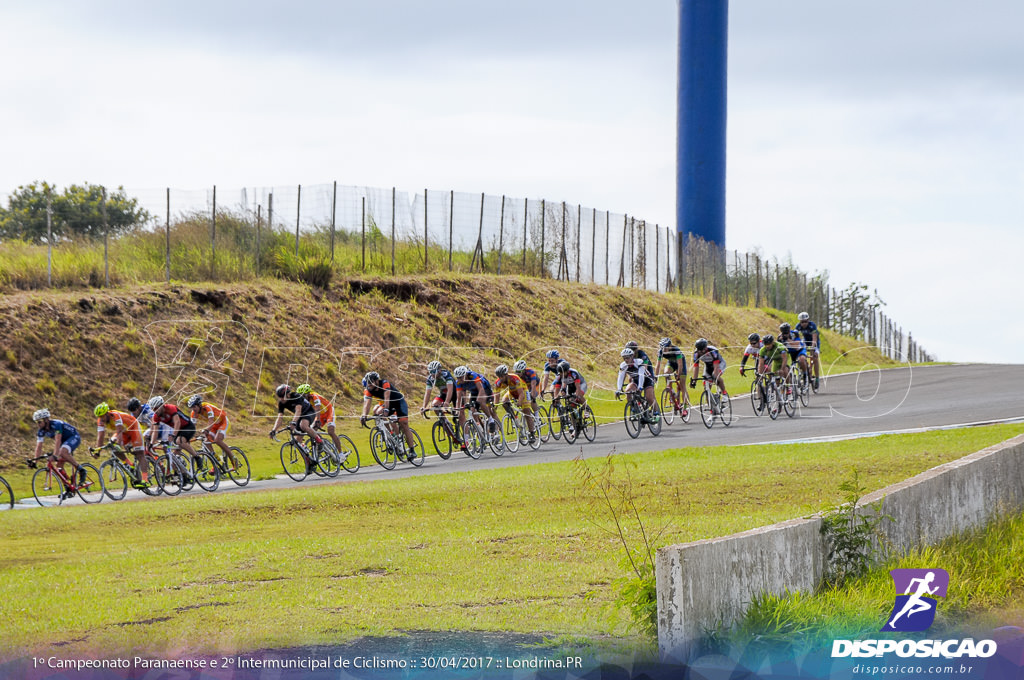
x: 309, y: 233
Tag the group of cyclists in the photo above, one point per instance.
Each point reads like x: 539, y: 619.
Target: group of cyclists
x: 460, y: 389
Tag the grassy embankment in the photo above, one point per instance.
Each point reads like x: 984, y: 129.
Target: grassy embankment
x: 311, y: 565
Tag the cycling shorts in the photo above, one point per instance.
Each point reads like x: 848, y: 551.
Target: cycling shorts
x: 709, y: 368
x: 399, y: 408
x: 188, y: 432
x: 72, y: 444
x: 132, y: 439
x: 795, y: 353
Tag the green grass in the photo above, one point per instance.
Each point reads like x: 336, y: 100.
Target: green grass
x: 328, y: 563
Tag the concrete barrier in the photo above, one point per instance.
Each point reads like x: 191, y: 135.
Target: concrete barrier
x: 707, y: 585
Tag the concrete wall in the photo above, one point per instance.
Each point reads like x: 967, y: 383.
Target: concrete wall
x: 709, y: 584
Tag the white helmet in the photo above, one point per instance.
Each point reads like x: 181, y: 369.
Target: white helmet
x: 501, y: 371
x: 520, y: 366
x: 156, y: 402
x: 626, y: 353
x: 41, y: 414
x: 803, y: 316
x: 434, y: 367
x: 460, y: 372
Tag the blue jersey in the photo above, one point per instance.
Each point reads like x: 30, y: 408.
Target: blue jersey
x: 66, y: 430
x: 808, y: 330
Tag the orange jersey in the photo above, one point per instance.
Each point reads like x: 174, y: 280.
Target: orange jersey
x: 214, y: 415
x: 126, y: 421
x: 323, y: 407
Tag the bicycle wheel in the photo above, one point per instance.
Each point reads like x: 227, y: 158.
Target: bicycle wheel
x: 533, y: 436
x: 589, y: 423
x: 207, y: 473
x: 654, y: 419
x: 805, y: 389
x: 420, y: 454
x: 494, y: 438
x: 725, y: 414
x: 187, y: 476
x: 293, y: 462
x: 238, y: 466
x: 706, y: 412
x: 115, y: 481
x: 510, y: 433
x: 328, y: 462
x: 154, y: 485
x: 789, y: 396
x: 442, y: 442
x: 349, y: 454
x: 382, y: 453
x: 757, y: 397
x: 45, y: 485
x: 554, y: 423
x: 91, y: 489
x: 772, y: 400
x: 543, y: 424
x: 668, y: 406
x: 569, y: 429
x: 631, y: 417
x: 6, y: 495
x: 173, y: 478
x: 473, y: 438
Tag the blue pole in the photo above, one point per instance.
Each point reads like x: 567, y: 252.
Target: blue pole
x: 700, y: 154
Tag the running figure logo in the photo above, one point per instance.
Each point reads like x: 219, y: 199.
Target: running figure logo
x: 914, y: 609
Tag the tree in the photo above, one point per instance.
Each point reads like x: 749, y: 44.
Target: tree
x: 77, y: 212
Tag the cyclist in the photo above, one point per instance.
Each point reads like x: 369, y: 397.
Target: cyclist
x: 753, y: 347
x: 550, y: 369
x: 65, y: 440
x: 517, y: 389
x: 531, y: 379
x: 714, y: 364
x: 324, y: 409
x: 794, y: 344
x: 216, y: 429
x: 676, y: 363
x: 809, y: 330
x: 570, y: 383
x: 183, y: 430
x: 441, y: 378
x: 290, y: 400
x: 775, y: 353
x: 126, y: 433
x: 391, y: 401
x: 639, y: 378
x: 141, y: 411
x: 472, y: 386
x: 641, y: 355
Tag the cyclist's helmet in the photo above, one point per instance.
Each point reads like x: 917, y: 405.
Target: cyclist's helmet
x: 282, y: 390
x: 768, y: 340
x: 784, y: 328
x: 194, y: 401
x: 626, y: 353
x: 553, y: 354
x: 501, y: 371
x: 664, y: 342
x: 803, y: 316
x: 101, y: 409
x: 520, y: 366
x: 156, y: 402
x: 433, y: 367
x: 632, y: 344
x: 753, y: 337
x: 460, y: 372
x: 41, y: 414
x: 371, y: 378
x: 701, y: 344
x: 563, y: 366
x: 303, y: 389
x: 133, y: 405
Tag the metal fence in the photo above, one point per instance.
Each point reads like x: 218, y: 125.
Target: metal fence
x: 219, y: 234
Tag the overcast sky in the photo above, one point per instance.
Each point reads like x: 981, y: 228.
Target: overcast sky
x: 881, y: 141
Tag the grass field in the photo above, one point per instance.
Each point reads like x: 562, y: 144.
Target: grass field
x: 518, y: 550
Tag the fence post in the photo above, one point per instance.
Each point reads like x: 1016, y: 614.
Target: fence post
x: 579, y: 228
x: 593, y: 246
x: 526, y: 219
x: 213, y: 235
x: 49, y: 239
x: 394, y: 195
x: 607, y: 245
x: 501, y: 232
x: 270, y: 214
x: 167, y: 231
x: 657, y: 251
x: 364, y: 230
x: 298, y: 213
x: 106, y: 239
x: 543, y: 232
x: 561, y: 256
x: 426, y: 233
x: 479, y: 249
x: 259, y: 225
x: 334, y: 214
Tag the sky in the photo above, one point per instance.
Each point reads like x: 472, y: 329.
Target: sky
x: 880, y: 141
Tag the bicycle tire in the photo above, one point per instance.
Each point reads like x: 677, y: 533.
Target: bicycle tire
x: 805, y: 389
x: 91, y: 491
x: 293, y: 462
x: 43, y: 484
x: 115, y: 480
x: 442, y: 442
x: 533, y: 439
x: 421, y: 454
x: 654, y: 419
x: 554, y: 423
x: 328, y: 460
x: 155, y: 484
x: 668, y: 406
x: 789, y: 397
x: 382, y: 453
x: 631, y: 418
x: 589, y: 423
x: 207, y: 472
x: 569, y: 432
x: 707, y: 414
x: 543, y: 424
x: 173, y: 483
x: 725, y: 414
x: 757, y: 397
x: 184, y: 466
x: 510, y: 433
x: 349, y: 454
x: 473, y: 438
x: 6, y: 495
x: 773, y: 400
x: 241, y: 472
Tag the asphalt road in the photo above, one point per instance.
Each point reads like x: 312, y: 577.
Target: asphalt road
x: 859, y: 404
